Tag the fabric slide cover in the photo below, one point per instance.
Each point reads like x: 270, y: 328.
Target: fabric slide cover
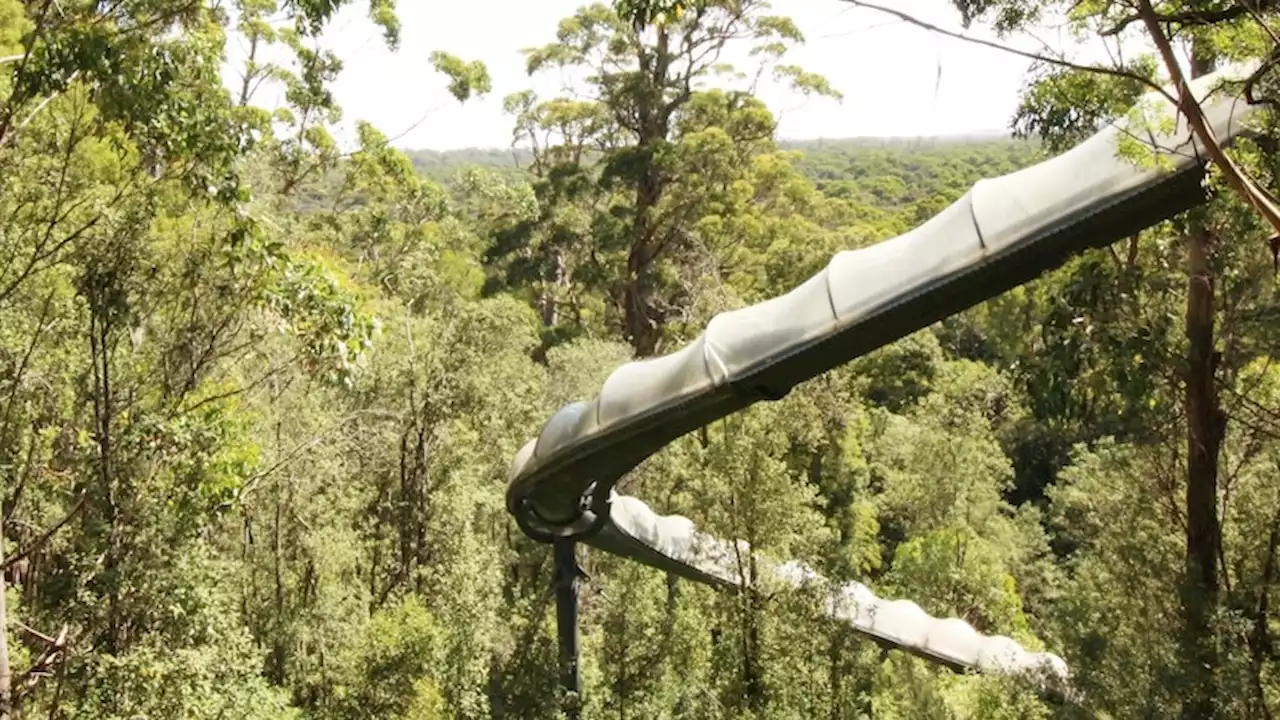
x: 1002, y: 233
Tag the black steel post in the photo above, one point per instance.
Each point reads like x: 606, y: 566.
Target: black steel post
x: 567, y: 575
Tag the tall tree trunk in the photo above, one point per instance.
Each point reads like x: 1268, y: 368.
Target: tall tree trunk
x: 278, y: 649
x: 642, y: 328
x: 550, y: 297
x: 113, y: 494
x: 837, y: 648
x: 1206, y: 425
x: 1260, y: 643
x: 6, y: 673
x: 643, y: 319
x: 752, y: 662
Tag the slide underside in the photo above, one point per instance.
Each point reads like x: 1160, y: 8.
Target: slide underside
x: 1002, y: 233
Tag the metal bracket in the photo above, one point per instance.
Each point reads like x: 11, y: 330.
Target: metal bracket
x: 593, y: 513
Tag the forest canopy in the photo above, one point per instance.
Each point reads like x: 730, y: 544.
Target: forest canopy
x: 259, y: 390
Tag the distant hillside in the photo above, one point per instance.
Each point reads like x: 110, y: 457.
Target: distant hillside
x: 443, y: 163
x: 992, y: 136
x: 926, y: 172
x: 429, y: 160
x: 883, y: 171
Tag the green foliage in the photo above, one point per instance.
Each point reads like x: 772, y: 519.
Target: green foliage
x: 208, y: 670
x: 465, y: 78
x: 389, y: 672
x: 1064, y: 106
x: 1004, y: 15
x: 259, y: 392
x: 630, y: 170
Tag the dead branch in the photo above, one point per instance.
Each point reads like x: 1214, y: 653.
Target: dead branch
x: 44, y: 664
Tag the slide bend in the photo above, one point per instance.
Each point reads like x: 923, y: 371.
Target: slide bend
x: 1002, y: 233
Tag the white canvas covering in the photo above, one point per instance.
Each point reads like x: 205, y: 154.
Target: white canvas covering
x: 1004, y: 231
x: 900, y: 623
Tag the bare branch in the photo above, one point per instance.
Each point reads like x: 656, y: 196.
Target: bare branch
x: 43, y: 665
x: 32, y: 116
x: 1248, y: 189
x: 39, y: 542
x: 1057, y: 61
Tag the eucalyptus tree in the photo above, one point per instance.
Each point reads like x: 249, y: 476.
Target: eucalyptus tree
x: 625, y: 163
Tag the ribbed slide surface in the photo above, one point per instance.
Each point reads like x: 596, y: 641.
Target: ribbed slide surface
x: 1002, y: 233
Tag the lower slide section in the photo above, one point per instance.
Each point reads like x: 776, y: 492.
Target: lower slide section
x: 674, y: 544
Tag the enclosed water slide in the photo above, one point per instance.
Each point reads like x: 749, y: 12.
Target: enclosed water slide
x: 1004, y: 232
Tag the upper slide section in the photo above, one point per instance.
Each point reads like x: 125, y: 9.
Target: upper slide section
x: 1002, y: 233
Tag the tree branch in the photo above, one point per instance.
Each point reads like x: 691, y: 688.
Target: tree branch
x: 1249, y: 190
x: 1059, y: 62
x: 14, y: 100
x: 1191, y: 17
x: 39, y: 542
x: 1251, y: 83
x: 43, y: 665
x: 32, y: 116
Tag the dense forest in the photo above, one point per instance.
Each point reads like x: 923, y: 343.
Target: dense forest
x: 259, y: 392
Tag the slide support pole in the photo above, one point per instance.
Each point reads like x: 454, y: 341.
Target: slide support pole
x: 567, y: 576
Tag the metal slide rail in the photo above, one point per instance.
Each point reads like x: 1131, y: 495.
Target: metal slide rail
x: 1002, y: 233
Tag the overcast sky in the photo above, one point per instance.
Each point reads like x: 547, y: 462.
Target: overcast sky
x: 896, y: 79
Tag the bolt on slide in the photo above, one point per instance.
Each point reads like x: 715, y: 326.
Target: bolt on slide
x: 1004, y: 232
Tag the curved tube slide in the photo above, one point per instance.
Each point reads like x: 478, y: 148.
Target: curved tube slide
x: 1002, y: 233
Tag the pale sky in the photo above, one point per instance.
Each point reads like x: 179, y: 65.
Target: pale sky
x: 897, y: 79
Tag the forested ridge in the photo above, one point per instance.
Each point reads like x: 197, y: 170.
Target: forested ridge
x: 259, y: 392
